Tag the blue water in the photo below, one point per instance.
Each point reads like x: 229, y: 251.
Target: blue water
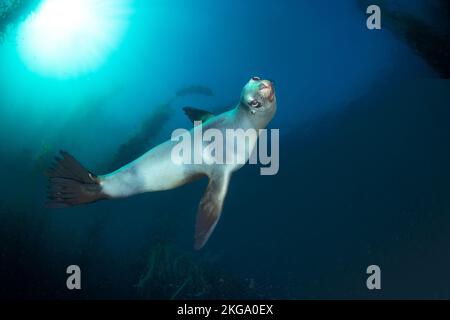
x: 364, y: 179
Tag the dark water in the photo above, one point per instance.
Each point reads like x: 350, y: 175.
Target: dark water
x: 364, y: 159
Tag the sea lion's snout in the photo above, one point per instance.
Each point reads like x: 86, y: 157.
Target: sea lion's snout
x: 265, y: 87
x: 259, y: 96
x: 267, y: 90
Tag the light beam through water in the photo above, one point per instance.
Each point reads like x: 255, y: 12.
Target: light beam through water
x: 67, y: 38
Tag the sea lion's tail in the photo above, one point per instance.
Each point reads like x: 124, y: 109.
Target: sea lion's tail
x: 70, y: 184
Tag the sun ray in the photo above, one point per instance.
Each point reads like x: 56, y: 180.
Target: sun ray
x: 67, y: 38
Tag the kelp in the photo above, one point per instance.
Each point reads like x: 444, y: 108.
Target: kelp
x: 173, y: 274
x: 430, y: 43
x: 168, y: 273
x: 14, y: 11
x: 143, y: 139
x: 195, y: 90
x: 150, y: 128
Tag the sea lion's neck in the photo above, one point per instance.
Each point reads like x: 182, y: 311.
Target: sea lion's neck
x: 245, y: 117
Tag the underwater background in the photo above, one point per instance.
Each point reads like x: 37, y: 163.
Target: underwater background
x: 364, y: 151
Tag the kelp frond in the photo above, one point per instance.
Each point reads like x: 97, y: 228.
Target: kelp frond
x: 14, y: 11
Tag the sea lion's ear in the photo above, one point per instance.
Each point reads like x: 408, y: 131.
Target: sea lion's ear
x: 210, y: 208
x: 195, y: 114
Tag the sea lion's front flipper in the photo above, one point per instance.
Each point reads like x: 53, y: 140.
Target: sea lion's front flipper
x: 195, y: 114
x: 210, y: 208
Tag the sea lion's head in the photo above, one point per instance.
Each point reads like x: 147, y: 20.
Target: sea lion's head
x: 258, y: 96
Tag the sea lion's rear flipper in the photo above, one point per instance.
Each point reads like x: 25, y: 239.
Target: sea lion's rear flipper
x: 195, y: 114
x: 70, y: 184
x: 210, y: 208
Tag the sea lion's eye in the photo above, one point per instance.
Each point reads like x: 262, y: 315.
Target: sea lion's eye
x: 255, y: 104
x: 256, y: 79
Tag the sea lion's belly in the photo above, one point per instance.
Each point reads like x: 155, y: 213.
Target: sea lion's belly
x: 153, y: 171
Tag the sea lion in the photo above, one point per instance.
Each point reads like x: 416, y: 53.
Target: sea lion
x: 71, y: 184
